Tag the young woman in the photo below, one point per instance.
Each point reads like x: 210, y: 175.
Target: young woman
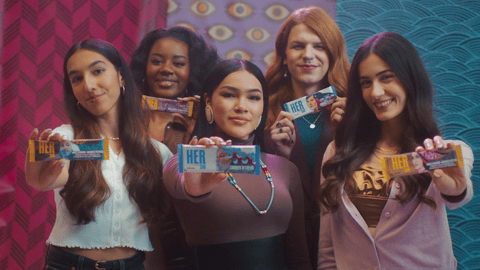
x: 172, y: 63
x: 309, y: 56
x: 226, y: 230
x: 400, y: 223
x: 103, y: 206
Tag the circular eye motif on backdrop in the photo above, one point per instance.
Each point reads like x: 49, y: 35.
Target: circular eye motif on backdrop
x: 238, y: 54
x: 187, y: 25
x: 202, y: 8
x: 240, y: 10
x: 257, y: 34
x: 277, y: 12
x: 268, y: 57
x: 172, y: 6
x: 220, y: 33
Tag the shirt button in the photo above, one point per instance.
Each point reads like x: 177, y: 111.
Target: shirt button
x: 387, y: 214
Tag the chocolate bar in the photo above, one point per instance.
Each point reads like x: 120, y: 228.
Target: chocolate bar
x: 233, y: 159
x: 311, y: 103
x: 79, y: 149
x: 169, y: 105
x: 421, y: 161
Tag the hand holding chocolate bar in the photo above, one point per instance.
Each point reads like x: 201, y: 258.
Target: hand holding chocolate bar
x: 48, y: 174
x: 442, y: 160
x: 197, y: 183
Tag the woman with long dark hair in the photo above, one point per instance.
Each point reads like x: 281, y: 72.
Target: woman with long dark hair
x: 260, y: 225
x: 400, y: 223
x: 103, y: 206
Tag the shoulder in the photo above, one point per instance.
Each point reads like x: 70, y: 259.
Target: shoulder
x: 66, y: 130
x: 163, y: 150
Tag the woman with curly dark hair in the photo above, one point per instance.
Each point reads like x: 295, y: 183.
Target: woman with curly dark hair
x: 397, y: 223
x: 103, y: 206
x: 172, y: 63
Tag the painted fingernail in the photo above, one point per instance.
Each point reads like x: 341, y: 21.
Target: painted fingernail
x: 436, y: 175
x: 428, y: 145
x: 63, y: 164
x: 419, y: 148
x: 437, y: 141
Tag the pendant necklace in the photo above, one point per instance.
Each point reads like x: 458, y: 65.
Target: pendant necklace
x: 268, y: 177
x: 312, y: 125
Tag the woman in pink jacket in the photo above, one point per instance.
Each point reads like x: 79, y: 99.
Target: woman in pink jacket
x: 371, y: 222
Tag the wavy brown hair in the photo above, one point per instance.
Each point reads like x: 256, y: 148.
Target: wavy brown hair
x: 86, y: 188
x: 314, y: 17
x: 359, y: 131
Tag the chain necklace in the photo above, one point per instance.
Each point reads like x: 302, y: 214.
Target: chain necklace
x: 312, y: 125
x: 269, y: 180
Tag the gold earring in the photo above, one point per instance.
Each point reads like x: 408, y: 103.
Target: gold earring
x: 209, y: 114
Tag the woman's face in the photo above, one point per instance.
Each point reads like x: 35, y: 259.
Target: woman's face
x: 312, y: 103
x: 95, y: 82
x: 237, y: 104
x: 417, y: 161
x: 306, y: 57
x: 168, y: 68
x: 382, y: 90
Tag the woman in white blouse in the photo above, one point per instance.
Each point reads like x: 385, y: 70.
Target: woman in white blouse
x: 103, y: 206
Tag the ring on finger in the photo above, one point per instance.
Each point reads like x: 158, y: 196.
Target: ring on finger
x: 280, y: 130
x: 279, y: 124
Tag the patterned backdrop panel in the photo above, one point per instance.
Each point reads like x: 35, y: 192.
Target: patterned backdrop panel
x: 35, y: 35
x: 446, y: 34
x: 239, y: 29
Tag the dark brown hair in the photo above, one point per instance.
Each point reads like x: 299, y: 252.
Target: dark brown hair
x: 359, y: 131
x: 86, y: 188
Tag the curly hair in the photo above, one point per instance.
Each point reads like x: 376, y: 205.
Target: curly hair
x: 315, y: 18
x: 86, y: 188
x: 202, y: 57
x: 359, y: 131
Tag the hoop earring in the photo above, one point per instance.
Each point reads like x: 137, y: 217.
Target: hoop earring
x: 123, y: 90
x: 259, y: 121
x: 79, y: 106
x: 209, y: 114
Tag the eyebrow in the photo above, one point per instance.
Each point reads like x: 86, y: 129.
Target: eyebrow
x: 175, y: 56
x: 378, y: 74
x: 237, y: 90
x: 89, y: 66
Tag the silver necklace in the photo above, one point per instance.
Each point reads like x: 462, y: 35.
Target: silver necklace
x: 312, y: 125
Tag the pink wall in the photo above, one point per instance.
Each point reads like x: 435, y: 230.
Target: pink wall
x: 35, y: 35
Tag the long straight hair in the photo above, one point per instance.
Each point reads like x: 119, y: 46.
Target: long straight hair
x: 213, y: 80
x: 359, y: 131
x: 86, y: 188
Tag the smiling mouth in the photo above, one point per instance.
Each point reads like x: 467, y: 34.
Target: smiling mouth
x: 94, y: 98
x: 239, y: 120
x: 383, y: 103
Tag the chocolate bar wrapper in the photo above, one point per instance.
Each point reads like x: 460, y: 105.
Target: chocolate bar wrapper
x: 169, y: 105
x: 80, y: 149
x: 311, y: 103
x: 233, y: 159
x: 421, y: 161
